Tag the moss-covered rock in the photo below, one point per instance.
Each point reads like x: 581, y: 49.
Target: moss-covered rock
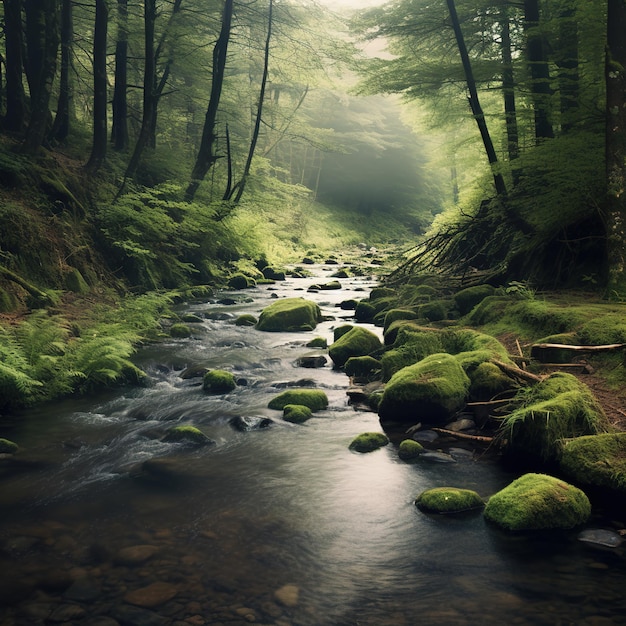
x: 382, y: 292
x: 315, y: 399
x: 559, y: 407
x: 362, y: 366
x: 187, y: 434
x: 191, y: 318
x: 317, y: 342
x: 434, y: 311
x: 75, y: 282
x: 598, y: 461
x: 218, y: 381
x: 296, y: 413
x: 240, y: 281
x: 272, y: 273
x: 487, y: 381
x: 332, y: 285
x: 8, y: 447
x: 467, y: 299
x: 448, y: 500
x: 410, y: 449
x: 180, y: 331
x: 340, y: 331
x: 536, y: 502
x: 397, y: 314
x: 246, y: 320
x: 604, y: 330
x: 368, y: 442
x: 290, y: 314
x: 358, y: 341
x: 364, y: 311
x: 431, y: 390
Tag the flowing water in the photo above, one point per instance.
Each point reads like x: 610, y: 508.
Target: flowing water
x: 279, y: 526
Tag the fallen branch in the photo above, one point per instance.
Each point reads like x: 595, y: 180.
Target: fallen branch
x: 464, y: 436
x: 516, y: 372
x: 543, y: 351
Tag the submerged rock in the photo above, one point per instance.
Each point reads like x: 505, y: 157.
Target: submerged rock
x: 601, y: 537
x: 187, y: 434
x: 218, y: 381
x: 248, y: 423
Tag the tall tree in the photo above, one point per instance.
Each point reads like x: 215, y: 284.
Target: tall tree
x: 615, y: 207
x: 15, y: 118
x: 207, y: 156
x: 100, y: 131
x: 119, y: 128
x: 61, y: 125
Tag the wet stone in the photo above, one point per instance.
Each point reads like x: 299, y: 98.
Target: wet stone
x: 67, y: 613
x: 437, y: 457
x: 460, y: 425
x: 134, y: 555
x: 152, y: 596
x: 135, y: 616
x: 288, y: 595
x: 83, y: 590
x: 601, y: 537
x: 426, y: 436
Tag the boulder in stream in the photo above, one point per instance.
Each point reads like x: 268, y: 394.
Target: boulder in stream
x: 358, y: 341
x: 368, y: 442
x: 290, y: 314
x: 536, y: 502
x: 8, y: 447
x: 448, y: 500
x: 315, y: 399
x: 187, y: 434
x: 218, y: 381
x: 296, y: 413
x: 245, y: 423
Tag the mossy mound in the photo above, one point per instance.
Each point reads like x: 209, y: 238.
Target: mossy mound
x: 246, y: 320
x: 296, y: 413
x: 397, y: 314
x: 537, y: 502
x: 417, y: 294
x: 488, y: 380
x: 271, y: 273
x: 317, y: 342
x: 559, y: 407
x: 218, y: 381
x: 431, y: 390
x: 362, y: 366
x: 340, y: 331
x: 467, y: 299
x: 364, y: 311
x: 180, y: 331
x: 382, y: 292
x: 448, y: 500
x: 290, y: 314
x: 368, y: 442
x: 240, y: 281
x: 598, y: 461
x: 315, y: 399
x: 434, y: 311
x: 604, y: 330
x: 75, y: 282
x: 410, y: 449
x: 187, y: 434
x: 357, y: 341
x: 8, y: 447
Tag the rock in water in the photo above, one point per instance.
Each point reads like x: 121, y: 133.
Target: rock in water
x: 601, y: 537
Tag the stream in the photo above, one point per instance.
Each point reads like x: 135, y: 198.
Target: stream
x: 280, y: 526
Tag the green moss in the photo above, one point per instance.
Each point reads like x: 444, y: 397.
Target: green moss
x: 8, y: 447
x: 218, y: 381
x: 488, y: 380
x: 490, y: 309
x: 362, y: 366
x: 332, y: 285
x: 317, y: 342
x: 180, y: 331
x: 448, y: 500
x: 431, y: 390
x: 315, y: 399
x: 596, y: 460
x: 7, y: 302
x: 358, y: 341
x: 382, y: 292
x: 75, y: 282
x: 467, y: 299
x: 559, y: 407
x: 397, y: 314
x: 392, y: 332
x: 410, y: 449
x: 536, y: 502
x: 433, y: 311
x: 191, y: 318
x: 364, y: 311
x: 272, y: 273
x: 340, y: 331
x: 246, y: 320
x: 240, y: 281
x: 290, y: 314
x: 188, y: 434
x: 368, y: 442
x: 417, y: 294
x: 603, y: 330
x: 296, y: 413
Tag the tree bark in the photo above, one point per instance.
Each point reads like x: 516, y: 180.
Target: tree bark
x: 615, y: 206
x: 61, y: 125
x: 567, y: 62
x: 474, y: 102
x: 15, y: 118
x: 100, y: 131
x: 539, y: 71
x: 508, y: 89
x: 206, y: 153
x: 119, y: 129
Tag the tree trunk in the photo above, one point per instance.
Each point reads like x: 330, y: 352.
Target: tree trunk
x: 240, y: 186
x: 42, y: 43
x: 100, y: 132
x: 508, y: 89
x: 15, y: 118
x: 567, y: 62
x: 615, y: 208
x: 119, y: 130
x: 206, y: 153
x: 539, y: 71
x: 61, y: 125
x: 474, y: 102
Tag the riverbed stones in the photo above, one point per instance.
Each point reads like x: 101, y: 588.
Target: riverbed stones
x: 358, y: 341
x: 288, y: 595
x: 152, y: 595
x: 135, y: 555
x: 314, y: 399
x: 431, y: 391
x: 537, y: 502
x: 311, y: 361
x: 180, y: 331
x: 410, y: 449
x: 290, y: 315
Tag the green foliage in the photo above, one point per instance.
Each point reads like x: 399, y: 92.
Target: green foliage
x: 537, y: 502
